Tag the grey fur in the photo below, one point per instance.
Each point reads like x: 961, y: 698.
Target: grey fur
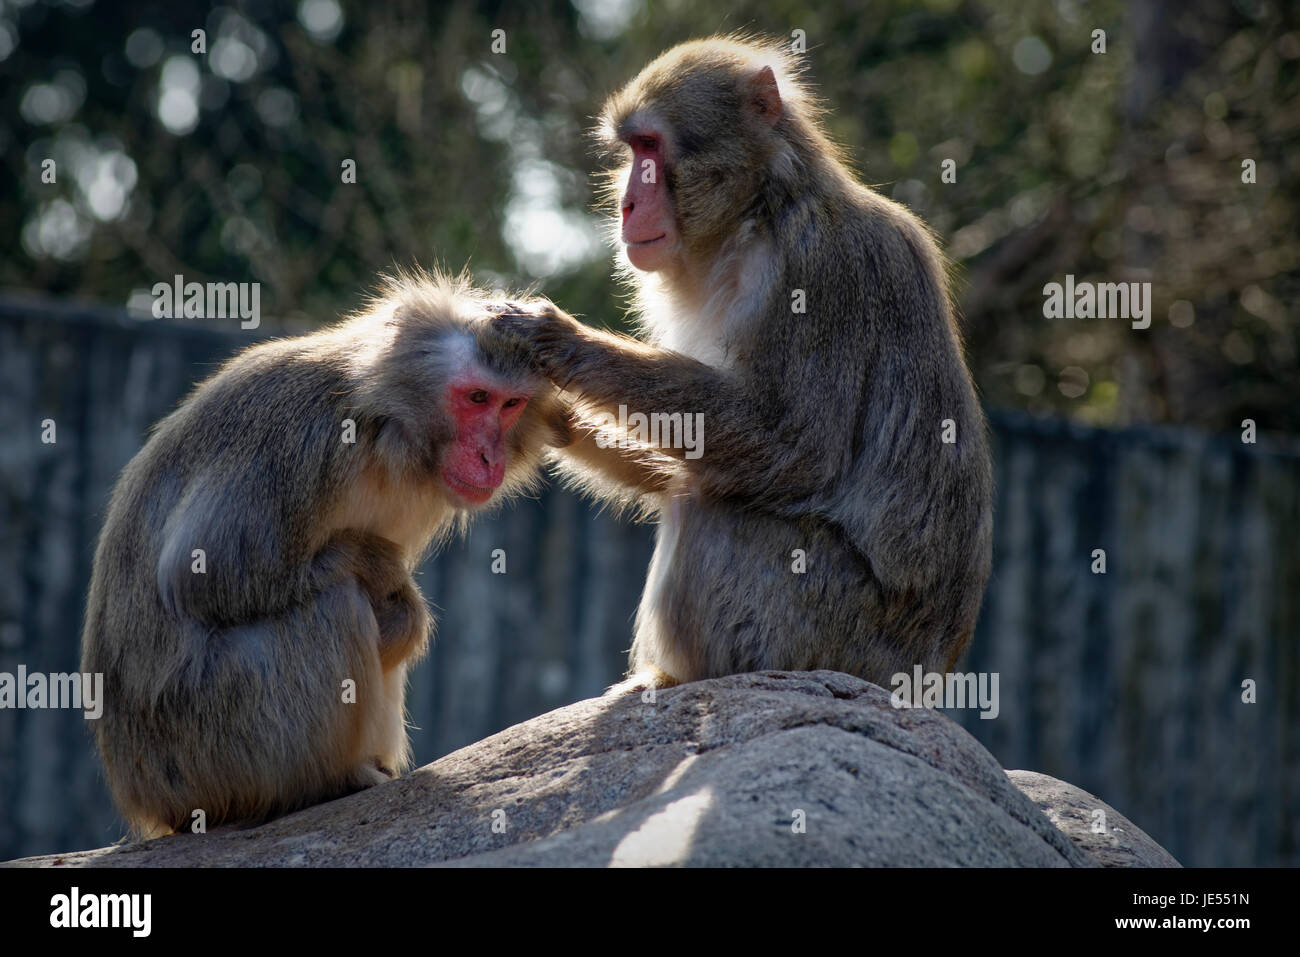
x: 224, y: 690
x: 823, y: 429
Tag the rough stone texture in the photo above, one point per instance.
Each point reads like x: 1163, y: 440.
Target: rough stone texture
x: 1123, y: 844
x: 712, y: 773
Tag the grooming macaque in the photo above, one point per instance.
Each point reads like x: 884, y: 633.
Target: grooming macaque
x: 252, y: 607
x: 840, y: 516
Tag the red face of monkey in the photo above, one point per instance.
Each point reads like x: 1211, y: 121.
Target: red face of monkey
x: 636, y: 116
x: 649, y: 225
x: 483, y: 412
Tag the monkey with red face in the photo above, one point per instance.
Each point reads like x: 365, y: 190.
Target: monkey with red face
x: 252, y: 608
x: 840, y: 516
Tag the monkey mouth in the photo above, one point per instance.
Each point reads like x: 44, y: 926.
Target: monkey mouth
x: 473, y: 494
x: 645, y: 242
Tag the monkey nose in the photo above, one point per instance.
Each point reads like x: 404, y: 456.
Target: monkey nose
x: 628, y: 206
x: 494, y: 460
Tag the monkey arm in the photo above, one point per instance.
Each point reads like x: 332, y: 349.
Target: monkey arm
x: 607, y: 371
x: 224, y: 561
x: 633, y: 471
x: 756, y: 445
x: 247, y: 575
x: 224, y: 566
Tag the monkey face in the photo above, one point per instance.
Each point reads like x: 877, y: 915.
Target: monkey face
x: 649, y: 222
x: 701, y: 124
x: 483, y: 411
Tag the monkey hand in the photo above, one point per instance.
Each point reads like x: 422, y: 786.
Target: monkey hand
x: 553, y: 337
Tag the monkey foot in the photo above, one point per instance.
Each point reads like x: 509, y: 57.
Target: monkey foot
x: 651, y: 677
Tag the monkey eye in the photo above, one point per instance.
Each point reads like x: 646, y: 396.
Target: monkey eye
x: 646, y: 142
x: 478, y: 397
x: 511, y: 403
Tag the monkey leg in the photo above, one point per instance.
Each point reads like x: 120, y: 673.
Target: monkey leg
x: 403, y: 626
x: 732, y: 591
x: 259, y: 719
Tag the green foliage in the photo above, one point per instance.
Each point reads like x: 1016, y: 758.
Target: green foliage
x: 1123, y: 166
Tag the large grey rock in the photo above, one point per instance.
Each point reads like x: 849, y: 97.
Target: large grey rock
x: 1111, y: 839
x: 712, y: 773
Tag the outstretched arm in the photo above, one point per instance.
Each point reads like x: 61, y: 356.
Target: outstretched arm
x: 613, y: 470
x: 607, y: 371
x: 749, y: 447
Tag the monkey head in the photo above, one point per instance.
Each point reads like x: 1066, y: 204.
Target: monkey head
x: 708, y: 133
x: 449, y: 396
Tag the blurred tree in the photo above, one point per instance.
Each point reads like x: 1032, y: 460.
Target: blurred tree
x: 1115, y: 166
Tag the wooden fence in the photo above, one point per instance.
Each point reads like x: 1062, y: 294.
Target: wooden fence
x: 1128, y: 683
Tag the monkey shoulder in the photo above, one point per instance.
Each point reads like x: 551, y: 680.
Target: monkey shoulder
x: 269, y: 424
x: 275, y: 387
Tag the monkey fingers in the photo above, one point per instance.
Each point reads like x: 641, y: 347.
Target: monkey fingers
x: 553, y: 339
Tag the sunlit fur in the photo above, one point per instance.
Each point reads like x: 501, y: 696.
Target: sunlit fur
x: 224, y: 689
x: 823, y: 427
x: 625, y: 482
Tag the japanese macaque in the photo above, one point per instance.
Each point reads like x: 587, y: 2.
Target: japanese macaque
x: 252, y: 607
x: 839, y: 515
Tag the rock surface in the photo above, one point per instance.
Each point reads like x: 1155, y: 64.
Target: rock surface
x: 774, y: 768
x: 1120, y: 842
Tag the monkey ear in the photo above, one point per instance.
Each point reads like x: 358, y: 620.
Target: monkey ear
x: 764, y: 96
